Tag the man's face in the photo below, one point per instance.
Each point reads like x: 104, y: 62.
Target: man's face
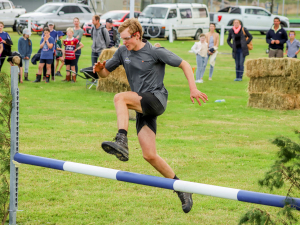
x: 276, y: 22
x: 51, y: 26
x: 109, y: 26
x: 129, y: 40
x: 95, y: 22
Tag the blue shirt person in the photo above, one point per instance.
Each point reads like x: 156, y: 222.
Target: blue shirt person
x: 47, y: 53
x: 292, y: 45
x: 6, y: 42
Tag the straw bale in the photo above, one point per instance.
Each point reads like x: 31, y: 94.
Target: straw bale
x: 117, y: 80
x: 274, y: 101
x: 273, y: 67
x: 283, y: 85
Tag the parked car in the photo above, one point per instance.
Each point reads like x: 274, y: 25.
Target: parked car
x: 253, y: 17
x: 188, y: 20
x: 61, y: 14
x: 118, y: 17
x: 9, y: 13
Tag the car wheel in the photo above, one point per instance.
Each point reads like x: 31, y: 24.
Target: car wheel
x: 197, y: 35
x: 20, y: 29
x: 283, y: 24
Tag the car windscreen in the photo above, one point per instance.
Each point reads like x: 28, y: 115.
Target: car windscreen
x: 113, y: 15
x: 154, y: 12
x: 48, y: 8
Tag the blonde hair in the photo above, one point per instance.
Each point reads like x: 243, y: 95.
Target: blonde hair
x: 16, y: 60
x: 134, y: 26
x: 70, y: 29
x: 157, y: 45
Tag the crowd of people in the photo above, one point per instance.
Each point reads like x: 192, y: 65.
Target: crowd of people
x: 56, y: 51
x: 240, y: 40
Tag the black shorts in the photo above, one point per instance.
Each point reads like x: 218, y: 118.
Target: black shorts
x: 47, y: 61
x: 152, y: 108
x: 70, y: 62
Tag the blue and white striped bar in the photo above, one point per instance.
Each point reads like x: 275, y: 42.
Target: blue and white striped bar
x: 177, y: 185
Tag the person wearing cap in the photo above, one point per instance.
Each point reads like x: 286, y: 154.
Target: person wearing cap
x: 59, y: 54
x: 53, y: 34
x: 100, y: 38
x: 25, y: 49
x: 6, y: 44
x: 114, y: 35
x: 78, y: 33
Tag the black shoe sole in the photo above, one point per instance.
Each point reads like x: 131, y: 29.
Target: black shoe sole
x: 189, y: 208
x: 114, y: 149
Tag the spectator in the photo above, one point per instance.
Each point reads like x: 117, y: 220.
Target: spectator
x: 1, y: 47
x: 70, y: 51
x: 25, y: 49
x: 276, y: 37
x: 292, y: 45
x: 6, y: 42
x: 53, y: 34
x: 59, y: 54
x: 78, y: 32
x: 113, y: 34
x: 212, y: 38
x: 100, y: 37
x: 47, y: 46
x: 239, y: 47
x: 16, y: 59
x: 200, y: 49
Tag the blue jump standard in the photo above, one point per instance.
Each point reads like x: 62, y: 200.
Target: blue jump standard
x: 176, y: 185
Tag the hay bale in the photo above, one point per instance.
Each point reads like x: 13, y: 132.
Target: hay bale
x: 273, y: 67
x: 117, y: 80
x: 274, y: 101
x: 284, y: 85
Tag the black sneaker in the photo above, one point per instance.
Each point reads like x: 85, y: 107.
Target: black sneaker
x: 119, y: 148
x: 58, y: 74
x: 186, y: 201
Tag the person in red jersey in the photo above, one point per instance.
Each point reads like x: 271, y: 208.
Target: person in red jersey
x: 70, y: 50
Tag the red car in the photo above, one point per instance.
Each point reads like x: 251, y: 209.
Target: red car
x: 118, y: 17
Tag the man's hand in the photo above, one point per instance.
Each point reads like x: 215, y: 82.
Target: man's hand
x: 273, y: 41
x: 98, y: 67
x: 195, y: 93
x: 277, y: 42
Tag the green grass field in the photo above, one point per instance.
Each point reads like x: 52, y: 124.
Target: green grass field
x: 225, y: 144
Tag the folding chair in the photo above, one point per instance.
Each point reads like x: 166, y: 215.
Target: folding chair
x: 90, y: 77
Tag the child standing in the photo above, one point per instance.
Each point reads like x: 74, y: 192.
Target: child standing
x: 70, y: 49
x: 292, y: 45
x: 25, y: 49
x: 200, y: 49
x: 59, y: 54
x: 47, y: 46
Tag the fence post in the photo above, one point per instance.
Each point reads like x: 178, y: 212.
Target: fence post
x: 222, y: 35
x: 29, y: 24
x: 14, y: 146
x: 171, y: 33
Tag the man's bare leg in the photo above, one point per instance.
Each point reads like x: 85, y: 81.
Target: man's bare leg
x: 147, y: 141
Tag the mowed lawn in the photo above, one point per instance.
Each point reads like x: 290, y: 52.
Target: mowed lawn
x: 225, y: 144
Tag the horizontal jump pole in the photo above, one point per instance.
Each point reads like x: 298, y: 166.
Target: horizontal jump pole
x: 166, y: 183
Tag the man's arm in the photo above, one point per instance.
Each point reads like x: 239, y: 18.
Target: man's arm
x: 100, y: 69
x: 284, y: 37
x: 194, y: 92
x: 268, y: 38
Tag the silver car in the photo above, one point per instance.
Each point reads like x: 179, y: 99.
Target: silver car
x: 61, y: 14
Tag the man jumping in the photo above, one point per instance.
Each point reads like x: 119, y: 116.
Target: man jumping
x: 145, y: 70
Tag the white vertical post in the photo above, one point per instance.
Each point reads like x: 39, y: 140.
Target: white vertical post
x: 14, y: 146
x: 131, y: 8
x: 211, y: 5
x: 237, y: 2
x: 257, y: 2
x: 171, y: 33
x: 222, y: 35
x: 283, y: 7
x: 222, y: 4
x: 29, y: 24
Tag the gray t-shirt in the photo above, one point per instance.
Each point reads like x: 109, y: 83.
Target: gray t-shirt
x: 145, y: 68
x: 79, y: 33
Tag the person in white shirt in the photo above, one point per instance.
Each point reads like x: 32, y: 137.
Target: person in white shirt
x: 200, y: 49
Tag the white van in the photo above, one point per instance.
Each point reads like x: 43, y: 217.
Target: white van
x: 188, y: 20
